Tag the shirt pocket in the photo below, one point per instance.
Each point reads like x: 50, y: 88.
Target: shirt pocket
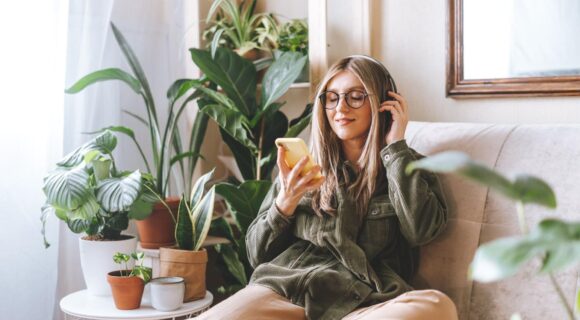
x: 379, y: 228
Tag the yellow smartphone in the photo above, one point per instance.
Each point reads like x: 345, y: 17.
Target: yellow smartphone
x: 295, y: 150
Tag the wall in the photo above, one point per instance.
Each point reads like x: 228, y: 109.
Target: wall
x: 410, y: 37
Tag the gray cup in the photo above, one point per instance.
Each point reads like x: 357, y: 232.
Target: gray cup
x: 167, y: 293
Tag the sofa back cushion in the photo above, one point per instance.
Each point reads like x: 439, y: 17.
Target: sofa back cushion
x: 478, y: 215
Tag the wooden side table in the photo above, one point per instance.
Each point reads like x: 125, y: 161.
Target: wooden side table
x: 82, y: 305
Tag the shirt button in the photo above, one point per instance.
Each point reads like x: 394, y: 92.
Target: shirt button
x: 356, y: 297
x: 374, y: 212
x: 386, y: 157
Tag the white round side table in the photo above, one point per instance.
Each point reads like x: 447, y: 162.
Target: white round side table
x: 82, y: 305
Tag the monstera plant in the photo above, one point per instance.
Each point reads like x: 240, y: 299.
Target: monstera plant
x: 249, y: 122
x: 556, y: 243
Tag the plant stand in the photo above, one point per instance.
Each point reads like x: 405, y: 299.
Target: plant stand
x: 82, y: 305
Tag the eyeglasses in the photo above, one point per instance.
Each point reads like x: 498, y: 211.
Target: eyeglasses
x: 354, y: 99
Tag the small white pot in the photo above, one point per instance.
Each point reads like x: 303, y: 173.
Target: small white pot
x: 97, y: 261
x: 167, y: 293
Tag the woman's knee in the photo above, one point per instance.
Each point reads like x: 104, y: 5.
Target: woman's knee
x: 439, y: 305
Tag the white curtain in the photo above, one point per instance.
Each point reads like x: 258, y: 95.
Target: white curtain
x: 160, y: 33
x: 31, y: 111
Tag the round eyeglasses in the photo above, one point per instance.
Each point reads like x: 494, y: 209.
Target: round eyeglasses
x: 354, y: 99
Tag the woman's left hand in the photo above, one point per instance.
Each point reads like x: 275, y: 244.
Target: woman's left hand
x: 399, y: 117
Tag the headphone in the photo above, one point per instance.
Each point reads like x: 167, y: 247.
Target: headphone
x: 384, y: 117
x: 388, y: 78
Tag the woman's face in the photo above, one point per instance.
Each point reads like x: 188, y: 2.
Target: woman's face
x: 348, y: 123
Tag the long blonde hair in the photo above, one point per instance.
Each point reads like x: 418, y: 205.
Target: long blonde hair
x: 326, y: 146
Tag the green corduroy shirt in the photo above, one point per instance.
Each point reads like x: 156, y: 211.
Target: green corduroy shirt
x: 334, y: 264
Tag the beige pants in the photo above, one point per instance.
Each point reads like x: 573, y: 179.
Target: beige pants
x: 256, y: 302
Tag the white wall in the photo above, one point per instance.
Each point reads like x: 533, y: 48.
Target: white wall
x: 410, y: 37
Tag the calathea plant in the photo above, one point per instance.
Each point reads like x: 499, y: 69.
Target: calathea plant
x: 249, y: 124
x: 88, y: 192
x: 556, y: 243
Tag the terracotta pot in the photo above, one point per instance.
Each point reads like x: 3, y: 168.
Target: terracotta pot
x: 127, y: 291
x: 158, y: 230
x: 190, y: 265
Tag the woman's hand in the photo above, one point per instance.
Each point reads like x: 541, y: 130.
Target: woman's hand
x: 399, y: 116
x: 293, y: 185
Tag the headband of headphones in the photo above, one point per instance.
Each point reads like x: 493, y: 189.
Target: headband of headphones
x: 389, y: 78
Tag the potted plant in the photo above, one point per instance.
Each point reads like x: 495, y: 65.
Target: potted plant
x: 293, y: 37
x: 128, y: 284
x: 188, y: 260
x: 555, y: 242
x: 237, y: 27
x: 249, y: 124
x: 92, y: 196
x: 156, y: 222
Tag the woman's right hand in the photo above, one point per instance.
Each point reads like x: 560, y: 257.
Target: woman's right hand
x: 293, y: 185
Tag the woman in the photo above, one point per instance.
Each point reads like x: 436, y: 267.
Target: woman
x: 345, y: 245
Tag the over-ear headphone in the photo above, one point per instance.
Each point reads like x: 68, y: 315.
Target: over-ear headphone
x: 388, y: 78
x: 385, y: 118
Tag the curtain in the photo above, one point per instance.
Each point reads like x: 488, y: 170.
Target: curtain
x: 160, y: 33
x: 31, y: 121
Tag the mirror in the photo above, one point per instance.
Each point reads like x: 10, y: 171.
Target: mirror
x: 513, y: 48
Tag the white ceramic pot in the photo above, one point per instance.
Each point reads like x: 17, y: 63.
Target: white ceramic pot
x: 97, y: 261
x: 167, y: 293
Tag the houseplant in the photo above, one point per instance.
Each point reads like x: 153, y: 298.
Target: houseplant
x: 555, y: 243
x: 249, y: 124
x: 169, y: 148
x: 127, y: 284
x: 293, y: 37
x: 188, y: 260
x: 92, y: 196
x: 237, y: 27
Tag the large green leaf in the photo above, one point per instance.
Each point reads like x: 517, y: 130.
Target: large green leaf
x: 105, y: 75
x: 244, y: 201
x: 119, y: 194
x: 231, y: 121
x: 104, y: 143
x: 67, y: 189
x: 236, y: 75
x: 245, y: 158
x: 276, y: 127
x: 233, y: 263
x: 86, y: 211
x: 184, y: 229
x: 180, y: 87
x: 280, y: 76
x: 300, y: 123
x: 556, y: 241
x: 533, y: 190
x: 526, y: 188
x: 201, y: 217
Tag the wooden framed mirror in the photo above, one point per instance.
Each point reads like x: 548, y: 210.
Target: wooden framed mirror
x: 506, y: 48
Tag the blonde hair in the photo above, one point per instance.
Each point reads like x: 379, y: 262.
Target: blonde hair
x: 326, y: 146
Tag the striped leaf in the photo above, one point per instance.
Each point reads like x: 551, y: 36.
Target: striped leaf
x: 86, y: 211
x: 201, y: 218
x: 184, y: 229
x: 118, y: 194
x: 67, y: 188
x: 104, y: 143
x: 198, y: 188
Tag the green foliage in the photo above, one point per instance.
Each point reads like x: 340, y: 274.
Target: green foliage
x: 237, y: 27
x: 89, y: 193
x: 194, y: 215
x: 293, y: 36
x: 168, y: 147
x: 138, y: 270
x: 555, y: 242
